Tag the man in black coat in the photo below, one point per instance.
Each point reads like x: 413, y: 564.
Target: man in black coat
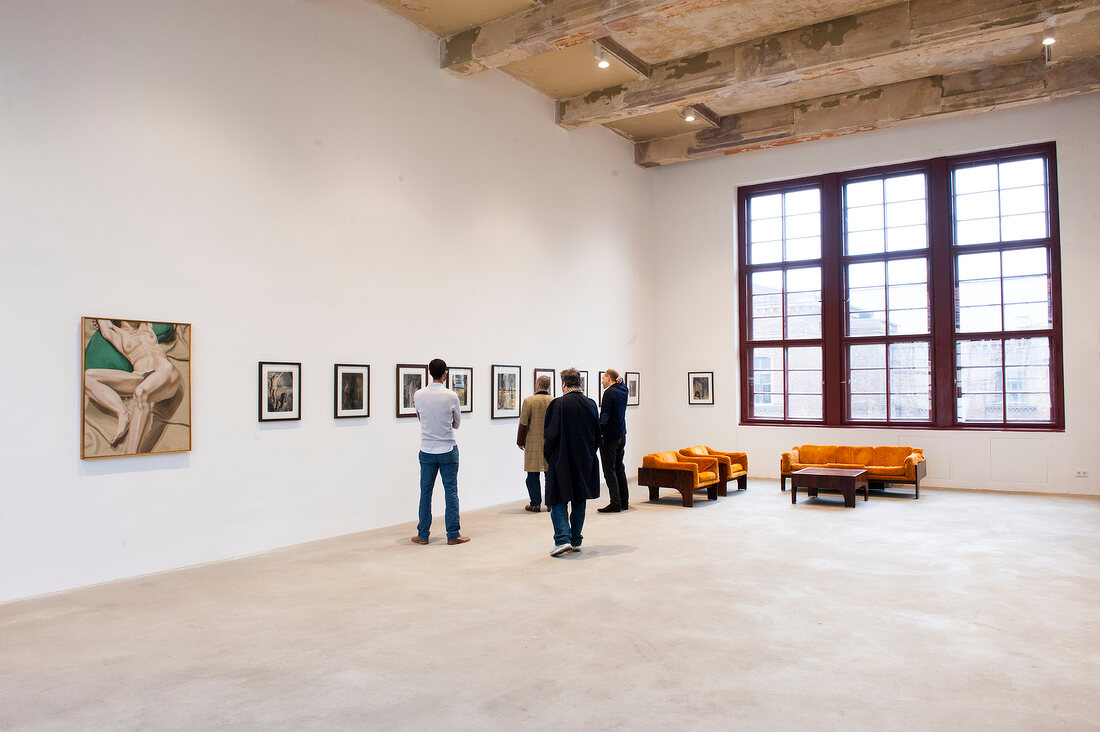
x: 613, y: 442
x: 571, y: 437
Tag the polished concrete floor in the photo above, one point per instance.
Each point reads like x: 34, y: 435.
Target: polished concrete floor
x: 962, y: 610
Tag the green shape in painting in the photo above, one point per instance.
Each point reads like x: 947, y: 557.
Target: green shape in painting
x: 99, y: 354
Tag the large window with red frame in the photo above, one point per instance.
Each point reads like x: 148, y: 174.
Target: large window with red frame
x: 920, y: 295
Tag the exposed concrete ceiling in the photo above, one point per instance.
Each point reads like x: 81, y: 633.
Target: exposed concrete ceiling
x: 764, y: 73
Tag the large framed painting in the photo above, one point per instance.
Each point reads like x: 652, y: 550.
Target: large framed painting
x: 410, y: 378
x: 351, y: 390
x: 552, y: 373
x: 280, y: 391
x: 136, y: 390
x: 506, y: 391
x: 461, y: 381
x: 633, y: 398
x: 700, y: 387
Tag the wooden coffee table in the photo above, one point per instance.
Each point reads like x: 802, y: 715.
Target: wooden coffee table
x: 844, y: 481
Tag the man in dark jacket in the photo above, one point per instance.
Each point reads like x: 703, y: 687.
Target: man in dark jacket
x: 613, y: 444
x: 570, y: 439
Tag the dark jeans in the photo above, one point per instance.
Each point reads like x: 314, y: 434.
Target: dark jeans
x: 534, y: 489
x: 567, y: 526
x: 614, y: 472
x: 445, y: 465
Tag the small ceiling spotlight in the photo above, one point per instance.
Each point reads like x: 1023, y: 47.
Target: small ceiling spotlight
x: 688, y: 113
x: 602, y: 59
x: 1048, y: 41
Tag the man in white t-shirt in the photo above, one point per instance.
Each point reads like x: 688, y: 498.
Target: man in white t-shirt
x: 438, y: 410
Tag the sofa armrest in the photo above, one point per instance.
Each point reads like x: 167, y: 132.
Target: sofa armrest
x: 911, y: 464
x: 684, y: 467
x: 786, y: 460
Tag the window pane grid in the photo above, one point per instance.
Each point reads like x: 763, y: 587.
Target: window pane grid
x: 890, y: 382
x: 786, y: 383
x: 1000, y: 201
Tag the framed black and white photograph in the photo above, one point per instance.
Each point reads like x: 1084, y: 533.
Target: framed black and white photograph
x: 461, y: 382
x: 505, y: 388
x: 600, y: 387
x: 700, y: 387
x: 351, y: 390
x: 584, y: 382
x: 633, y: 398
x: 280, y: 391
x: 410, y: 378
x: 552, y: 373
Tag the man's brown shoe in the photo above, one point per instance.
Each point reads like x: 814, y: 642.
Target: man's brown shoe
x: 529, y: 507
x: 459, y: 540
x: 418, y: 540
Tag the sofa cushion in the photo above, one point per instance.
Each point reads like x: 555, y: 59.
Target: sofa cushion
x: 858, y: 455
x: 817, y: 454
x: 889, y: 455
x: 898, y: 470
x: 846, y: 466
x: 707, y: 476
x: 736, y: 468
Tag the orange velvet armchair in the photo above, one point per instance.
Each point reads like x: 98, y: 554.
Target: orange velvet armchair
x: 731, y: 465
x: 683, y: 473
x: 884, y: 463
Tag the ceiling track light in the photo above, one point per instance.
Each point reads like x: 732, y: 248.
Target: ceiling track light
x: 1048, y: 41
x: 603, y: 60
x: 688, y: 113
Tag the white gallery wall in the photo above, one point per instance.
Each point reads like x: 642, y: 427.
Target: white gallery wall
x: 300, y: 182
x: 695, y: 228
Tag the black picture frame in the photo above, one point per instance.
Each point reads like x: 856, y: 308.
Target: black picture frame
x: 350, y: 390
x: 505, y: 391
x: 584, y: 381
x: 280, y: 391
x: 700, y: 387
x: 460, y: 380
x: 552, y: 373
x: 633, y: 381
x: 410, y: 377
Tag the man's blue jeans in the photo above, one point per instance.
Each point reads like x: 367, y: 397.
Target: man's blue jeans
x: 446, y: 465
x: 567, y: 527
x: 534, y: 489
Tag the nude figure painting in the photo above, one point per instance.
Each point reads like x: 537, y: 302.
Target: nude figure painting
x: 136, y: 396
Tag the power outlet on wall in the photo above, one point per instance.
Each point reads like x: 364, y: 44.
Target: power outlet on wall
x: 1082, y: 474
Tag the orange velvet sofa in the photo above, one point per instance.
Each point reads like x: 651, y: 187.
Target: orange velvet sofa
x: 884, y: 464
x: 683, y: 473
x: 731, y: 465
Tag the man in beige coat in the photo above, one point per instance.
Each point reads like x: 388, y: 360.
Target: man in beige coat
x: 532, y: 417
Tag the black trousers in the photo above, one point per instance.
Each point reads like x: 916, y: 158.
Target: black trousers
x: 614, y: 472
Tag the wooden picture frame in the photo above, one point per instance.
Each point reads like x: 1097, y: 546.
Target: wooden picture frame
x: 410, y: 378
x: 700, y: 387
x: 116, y: 357
x: 552, y: 373
x: 632, y: 379
x: 505, y: 390
x: 280, y: 395
x: 351, y: 390
x: 460, y: 380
